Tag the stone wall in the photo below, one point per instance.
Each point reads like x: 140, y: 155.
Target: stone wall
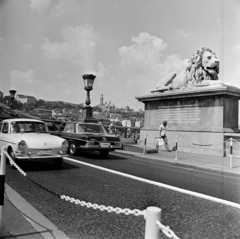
x: 199, y: 117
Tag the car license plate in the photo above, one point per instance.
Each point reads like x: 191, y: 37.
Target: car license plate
x: 105, y: 144
x: 44, y: 152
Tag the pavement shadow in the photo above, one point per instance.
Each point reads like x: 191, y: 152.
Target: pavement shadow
x: 44, y: 166
x: 97, y: 156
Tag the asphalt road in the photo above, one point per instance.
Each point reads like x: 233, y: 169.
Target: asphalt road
x: 188, y: 216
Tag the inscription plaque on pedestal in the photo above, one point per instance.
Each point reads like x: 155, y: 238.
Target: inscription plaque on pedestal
x: 175, y: 114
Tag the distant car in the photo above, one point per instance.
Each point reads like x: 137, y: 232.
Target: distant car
x: 88, y: 137
x: 30, y: 140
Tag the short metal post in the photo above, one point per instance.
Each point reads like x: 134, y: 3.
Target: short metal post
x: 125, y: 132
x: 145, y: 143
x: 152, y: 231
x: 231, y: 152
x: 2, y: 185
x: 176, y: 145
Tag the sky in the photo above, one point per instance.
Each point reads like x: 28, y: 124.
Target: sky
x: 47, y: 45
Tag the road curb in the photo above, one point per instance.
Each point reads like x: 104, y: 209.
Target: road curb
x: 38, y: 219
x: 178, y: 163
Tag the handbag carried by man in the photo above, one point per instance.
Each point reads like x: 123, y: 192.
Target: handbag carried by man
x: 160, y: 142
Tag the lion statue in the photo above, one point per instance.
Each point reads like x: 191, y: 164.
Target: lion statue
x: 202, y: 70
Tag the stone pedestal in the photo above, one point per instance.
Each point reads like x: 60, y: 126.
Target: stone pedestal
x: 200, y: 117
x: 88, y: 115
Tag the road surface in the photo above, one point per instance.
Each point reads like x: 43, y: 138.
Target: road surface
x: 187, y: 215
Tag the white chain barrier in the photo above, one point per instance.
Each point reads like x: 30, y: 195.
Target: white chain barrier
x: 126, y: 211
x: 175, y: 148
x: 12, y: 162
x: 117, y: 210
x: 166, y: 230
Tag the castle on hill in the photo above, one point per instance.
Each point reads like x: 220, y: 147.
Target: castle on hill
x: 110, y: 106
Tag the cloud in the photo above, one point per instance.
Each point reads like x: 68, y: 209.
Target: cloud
x: 143, y: 59
x: 20, y: 80
x: 182, y: 33
x: 222, y: 22
x: 24, y: 77
x: 237, y: 71
x: 142, y: 54
x: 40, y: 5
x: 102, y: 71
x: 236, y: 48
x: 27, y: 46
x: 65, y: 8
x: 1, y: 43
x: 78, y: 46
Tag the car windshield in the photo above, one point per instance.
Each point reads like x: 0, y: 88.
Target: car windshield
x: 28, y: 127
x: 91, y: 128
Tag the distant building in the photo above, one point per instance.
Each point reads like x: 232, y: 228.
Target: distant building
x: 139, y: 124
x: 26, y: 99
x: 127, y: 123
x: 101, y: 100
x: 106, y: 106
x: 64, y: 116
x: 1, y: 94
x: 43, y: 111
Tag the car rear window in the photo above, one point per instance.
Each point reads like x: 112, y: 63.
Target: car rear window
x: 91, y: 128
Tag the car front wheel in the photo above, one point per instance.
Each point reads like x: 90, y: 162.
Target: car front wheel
x: 72, y: 148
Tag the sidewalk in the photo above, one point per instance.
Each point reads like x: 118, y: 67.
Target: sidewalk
x: 17, y: 212
x: 207, y: 162
x: 21, y: 221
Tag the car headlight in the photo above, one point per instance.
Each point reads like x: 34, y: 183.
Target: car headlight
x: 22, y: 144
x: 65, y: 144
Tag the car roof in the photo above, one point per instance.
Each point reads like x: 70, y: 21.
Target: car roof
x: 79, y: 122
x: 20, y: 120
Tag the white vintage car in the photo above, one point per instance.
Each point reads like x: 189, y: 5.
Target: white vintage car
x: 29, y: 140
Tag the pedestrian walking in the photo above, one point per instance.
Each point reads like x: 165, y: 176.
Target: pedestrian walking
x: 163, y: 135
x: 112, y: 129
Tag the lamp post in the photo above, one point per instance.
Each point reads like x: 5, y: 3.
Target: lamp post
x: 12, y: 97
x: 88, y: 80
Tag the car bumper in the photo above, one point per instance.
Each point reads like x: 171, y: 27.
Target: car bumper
x: 99, y: 148
x: 38, y: 158
x: 32, y: 154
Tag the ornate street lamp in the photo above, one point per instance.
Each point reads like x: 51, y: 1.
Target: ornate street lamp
x: 12, y: 97
x: 88, y: 80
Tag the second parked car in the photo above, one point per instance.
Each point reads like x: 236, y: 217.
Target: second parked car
x: 88, y: 137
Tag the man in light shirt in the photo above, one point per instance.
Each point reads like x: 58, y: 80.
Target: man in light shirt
x: 163, y: 135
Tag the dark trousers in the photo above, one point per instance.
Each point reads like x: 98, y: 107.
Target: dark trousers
x: 166, y: 143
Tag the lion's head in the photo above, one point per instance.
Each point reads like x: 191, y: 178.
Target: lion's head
x: 204, y: 65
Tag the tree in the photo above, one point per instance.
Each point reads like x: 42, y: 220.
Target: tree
x: 40, y: 103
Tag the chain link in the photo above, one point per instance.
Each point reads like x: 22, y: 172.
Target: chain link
x: 203, y: 144
x: 235, y: 141
x: 166, y: 230
x: 117, y: 210
x: 11, y: 161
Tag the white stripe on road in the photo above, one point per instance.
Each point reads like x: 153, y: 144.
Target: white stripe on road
x: 159, y: 184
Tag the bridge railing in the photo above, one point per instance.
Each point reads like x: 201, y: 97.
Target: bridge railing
x: 126, y: 132
x: 121, y: 131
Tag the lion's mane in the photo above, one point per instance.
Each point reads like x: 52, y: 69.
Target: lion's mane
x: 195, y: 72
